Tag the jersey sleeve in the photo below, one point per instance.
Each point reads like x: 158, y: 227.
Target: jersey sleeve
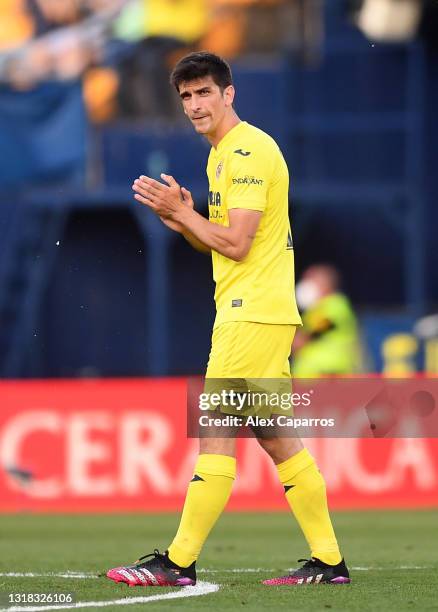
x: 249, y: 176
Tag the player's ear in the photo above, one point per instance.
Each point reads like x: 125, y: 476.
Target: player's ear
x: 229, y: 93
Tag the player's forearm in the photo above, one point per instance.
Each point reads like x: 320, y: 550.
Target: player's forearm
x: 216, y: 237
x: 195, y: 243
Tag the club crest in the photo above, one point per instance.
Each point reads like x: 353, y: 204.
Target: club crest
x: 219, y: 169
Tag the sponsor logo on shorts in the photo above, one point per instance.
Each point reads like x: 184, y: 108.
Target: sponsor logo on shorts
x: 236, y: 303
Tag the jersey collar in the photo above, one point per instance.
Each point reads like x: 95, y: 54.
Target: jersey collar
x: 229, y: 137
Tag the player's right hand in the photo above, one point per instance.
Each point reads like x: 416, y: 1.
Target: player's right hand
x: 188, y: 200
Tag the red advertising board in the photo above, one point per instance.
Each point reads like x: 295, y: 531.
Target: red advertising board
x: 121, y: 445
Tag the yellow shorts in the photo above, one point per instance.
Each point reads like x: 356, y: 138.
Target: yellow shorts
x: 247, y: 356
x: 242, y: 349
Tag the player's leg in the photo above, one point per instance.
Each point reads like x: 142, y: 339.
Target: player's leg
x: 215, y: 469
x: 303, y: 483
x: 207, y: 495
x: 207, y: 492
x: 306, y: 495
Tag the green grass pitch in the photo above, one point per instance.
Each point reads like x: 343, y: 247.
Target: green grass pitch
x: 395, y: 553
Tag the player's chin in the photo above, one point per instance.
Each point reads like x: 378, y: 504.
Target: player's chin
x: 201, y: 129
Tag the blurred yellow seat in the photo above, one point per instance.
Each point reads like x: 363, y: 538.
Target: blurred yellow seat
x: 399, y: 352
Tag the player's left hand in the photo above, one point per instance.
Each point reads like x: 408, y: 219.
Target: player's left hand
x: 163, y: 199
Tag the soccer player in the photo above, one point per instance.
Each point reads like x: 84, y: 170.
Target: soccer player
x: 249, y: 238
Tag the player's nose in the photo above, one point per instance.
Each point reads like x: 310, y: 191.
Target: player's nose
x: 195, y: 105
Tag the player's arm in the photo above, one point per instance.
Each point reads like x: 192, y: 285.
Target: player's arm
x: 233, y: 241
x: 191, y: 239
x: 175, y: 203
x: 247, y: 196
x: 195, y: 243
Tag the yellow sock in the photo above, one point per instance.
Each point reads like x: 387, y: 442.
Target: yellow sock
x: 207, y: 495
x: 306, y: 494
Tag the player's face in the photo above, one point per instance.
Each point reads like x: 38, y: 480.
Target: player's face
x: 205, y: 104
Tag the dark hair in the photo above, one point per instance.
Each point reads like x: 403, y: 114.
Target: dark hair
x: 199, y: 65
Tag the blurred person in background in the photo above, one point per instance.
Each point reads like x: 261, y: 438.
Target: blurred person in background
x: 16, y: 24
x: 56, y: 40
x: 162, y: 31
x: 248, y: 26
x: 328, y: 342
x: 44, y: 70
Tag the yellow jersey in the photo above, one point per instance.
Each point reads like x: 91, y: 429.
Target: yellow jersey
x: 247, y: 170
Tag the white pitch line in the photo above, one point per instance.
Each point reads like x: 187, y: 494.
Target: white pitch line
x: 237, y: 570
x: 202, y: 588
x: 397, y: 567
x: 66, y: 574
x: 245, y: 570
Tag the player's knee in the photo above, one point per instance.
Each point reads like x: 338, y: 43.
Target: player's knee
x: 280, y: 449
x: 272, y: 447
x: 217, y: 446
